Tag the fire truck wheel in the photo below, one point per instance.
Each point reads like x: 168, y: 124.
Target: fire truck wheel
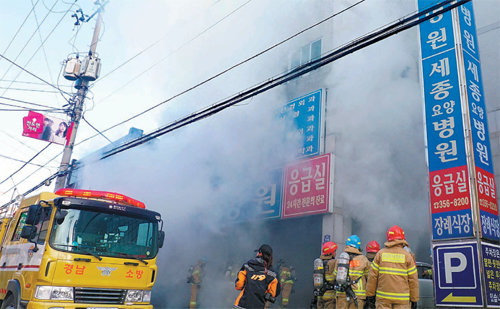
x: 9, y: 302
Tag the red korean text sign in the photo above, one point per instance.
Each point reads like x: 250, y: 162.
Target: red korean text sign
x: 308, y: 186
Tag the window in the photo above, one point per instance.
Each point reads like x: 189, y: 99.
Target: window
x: 43, y: 226
x: 307, y: 53
x: 20, y: 224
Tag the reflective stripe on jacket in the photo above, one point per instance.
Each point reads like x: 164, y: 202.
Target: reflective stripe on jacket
x: 393, y: 275
x: 359, y: 267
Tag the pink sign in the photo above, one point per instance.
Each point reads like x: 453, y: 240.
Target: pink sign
x: 48, y: 128
x: 308, y: 186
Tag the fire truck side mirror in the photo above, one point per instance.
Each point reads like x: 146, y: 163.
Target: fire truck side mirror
x: 161, y: 238
x: 34, y: 214
x: 28, y: 232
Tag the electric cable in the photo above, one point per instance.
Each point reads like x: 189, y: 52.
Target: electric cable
x: 226, y: 70
x: 30, y: 90
x: 26, y: 163
x: 27, y: 102
x: 27, y: 42
x: 20, y: 27
x: 171, y: 53
x: 35, y: 76
x: 99, y: 132
x: 344, y: 50
x: 36, y: 51
x: 17, y: 160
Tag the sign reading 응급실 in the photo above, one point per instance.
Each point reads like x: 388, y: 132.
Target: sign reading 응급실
x: 308, y: 187
x: 483, y: 163
x: 448, y: 175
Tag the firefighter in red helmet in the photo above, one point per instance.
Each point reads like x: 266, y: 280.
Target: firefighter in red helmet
x: 324, y: 291
x: 393, y: 278
x: 371, y: 249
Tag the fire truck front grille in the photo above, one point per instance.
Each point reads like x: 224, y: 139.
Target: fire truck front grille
x: 99, y: 296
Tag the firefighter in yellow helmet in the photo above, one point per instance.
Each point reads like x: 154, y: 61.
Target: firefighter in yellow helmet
x: 324, y: 295
x: 196, y: 273
x: 287, y: 276
x: 351, y: 284
x: 393, y: 278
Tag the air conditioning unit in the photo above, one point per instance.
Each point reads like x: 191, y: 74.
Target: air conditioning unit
x: 72, y: 68
x: 91, y: 67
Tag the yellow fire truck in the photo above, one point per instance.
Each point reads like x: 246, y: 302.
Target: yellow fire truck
x: 79, y: 249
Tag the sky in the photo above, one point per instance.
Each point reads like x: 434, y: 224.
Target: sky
x: 193, y: 174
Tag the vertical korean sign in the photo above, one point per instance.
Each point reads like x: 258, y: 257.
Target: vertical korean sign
x: 306, y: 112
x: 308, y: 187
x: 483, y: 161
x: 448, y: 176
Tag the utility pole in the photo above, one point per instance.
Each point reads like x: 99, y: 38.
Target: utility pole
x: 78, y: 99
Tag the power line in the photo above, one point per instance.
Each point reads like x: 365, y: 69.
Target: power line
x: 14, y: 159
x: 27, y: 42
x: 227, y: 70
x: 21, y: 26
x: 357, y: 44
x: 27, y: 82
x: 170, y: 54
x: 35, y: 76
x: 42, y: 44
x: 99, y: 132
x: 30, y: 90
x: 26, y: 163
x: 27, y: 102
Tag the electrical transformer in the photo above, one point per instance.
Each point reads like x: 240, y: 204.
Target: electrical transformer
x: 72, y: 68
x: 90, y: 69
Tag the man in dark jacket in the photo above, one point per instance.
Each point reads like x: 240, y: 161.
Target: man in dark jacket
x: 257, y: 281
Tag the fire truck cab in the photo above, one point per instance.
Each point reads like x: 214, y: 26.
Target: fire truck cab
x: 79, y: 249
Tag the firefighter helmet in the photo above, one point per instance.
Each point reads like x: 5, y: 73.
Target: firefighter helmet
x: 372, y: 246
x: 395, y: 232
x: 329, y: 248
x: 354, y: 241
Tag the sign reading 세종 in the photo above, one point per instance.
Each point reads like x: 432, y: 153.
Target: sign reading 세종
x: 307, y: 112
x: 448, y: 176
x: 457, y: 279
x: 491, y: 263
x: 308, y: 186
x: 46, y: 128
x: 486, y: 187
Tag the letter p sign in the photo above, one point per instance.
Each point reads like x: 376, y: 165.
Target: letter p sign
x: 454, y: 262
x: 457, y: 266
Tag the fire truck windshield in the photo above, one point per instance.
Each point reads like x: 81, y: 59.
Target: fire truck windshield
x: 105, y: 234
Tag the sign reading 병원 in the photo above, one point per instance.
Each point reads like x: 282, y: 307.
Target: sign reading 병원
x: 486, y: 186
x: 308, y: 186
x: 491, y: 263
x: 448, y: 176
x: 458, y: 283
x: 306, y: 112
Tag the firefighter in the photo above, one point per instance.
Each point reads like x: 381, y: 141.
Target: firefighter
x: 196, y: 274
x: 352, y: 293
x: 371, y: 249
x: 325, y: 296
x: 257, y: 281
x: 393, y: 278
x: 287, y: 275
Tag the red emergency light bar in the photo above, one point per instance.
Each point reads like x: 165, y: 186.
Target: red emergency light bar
x: 120, y: 198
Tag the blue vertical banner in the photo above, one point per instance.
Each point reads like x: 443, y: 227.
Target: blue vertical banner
x: 307, y: 113
x: 448, y: 174
x: 483, y: 160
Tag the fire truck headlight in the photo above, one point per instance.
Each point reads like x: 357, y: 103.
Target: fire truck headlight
x: 54, y: 292
x: 147, y: 297
x: 134, y: 296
